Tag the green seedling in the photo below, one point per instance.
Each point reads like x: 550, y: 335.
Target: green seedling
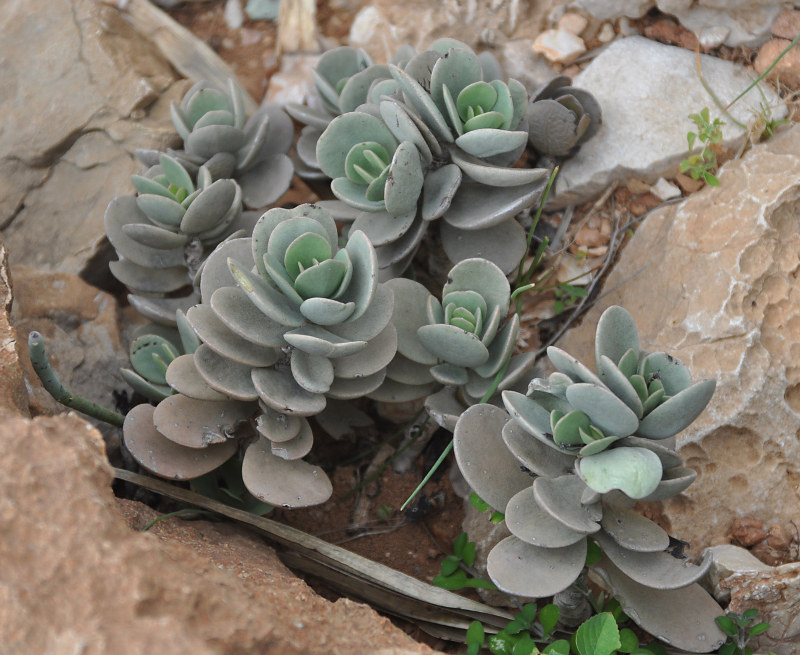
x: 739, y: 631
x: 703, y: 165
x: 482, y: 506
x: 457, y: 572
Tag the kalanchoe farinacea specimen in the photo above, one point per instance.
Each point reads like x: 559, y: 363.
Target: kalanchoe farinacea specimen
x: 566, y: 463
x: 461, y: 342
x: 288, y: 320
x: 441, y: 147
x: 561, y: 117
x: 217, y: 133
x: 162, y: 234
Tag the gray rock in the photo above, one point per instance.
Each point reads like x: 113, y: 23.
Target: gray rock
x: 82, y: 90
x: 728, y: 560
x: 647, y: 91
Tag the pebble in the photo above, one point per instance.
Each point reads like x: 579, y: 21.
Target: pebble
x: 573, y: 22
x: 559, y: 46
x: 687, y: 184
x: 787, y: 70
x: 625, y: 28
x: 665, y: 190
x: 787, y: 24
x: 233, y: 14
x: 606, y: 33
x: 712, y: 37
x: 250, y: 36
x: 637, y: 186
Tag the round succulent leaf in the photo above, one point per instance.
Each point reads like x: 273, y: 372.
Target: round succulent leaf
x: 552, y: 127
x: 211, y: 206
x: 306, y: 146
x: 266, y: 297
x: 683, y: 618
x: 487, y: 141
x: 278, y: 390
x: 615, y: 335
x: 499, y: 176
x: 632, y: 531
x: 367, y: 326
x: 164, y: 212
x: 202, y: 101
x: 150, y: 355
x: 346, y: 131
x: 207, y: 141
x: 597, y: 446
x: 394, y: 258
x: 522, y: 569
x: 306, y: 235
x: 605, y: 410
x: 449, y: 374
x: 475, y: 98
x: 381, y: 227
x: 634, y: 471
x: 531, y: 415
x: 518, y: 372
x: 453, y: 344
x: 278, y: 427
x: 392, y: 391
x: 233, y: 307
x: 311, y: 372
x: 352, y: 388
x: 366, y: 161
x: 341, y: 63
x: 444, y: 407
x: 673, y: 482
x: 295, y: 448
x: 500, y: 348
x: 438, y: 190
x: 477, y: 207
x: 657, y: 570
x: 217, y: 336
x: 355, y: 91
x: 404, y: 128
x: 165, y: 458
x: 151, y: 391
x: 355, y: 195
x: 502, y: 244
x: 143, y: 279
x: 670, y: 372
x: 619, y: 384
x: 410, y: 302
x: 403, y: 370
x: 153, y: 236
x: 416, y: 96
x: 321, y: 280
x: 283, y: 483
x: 669, y: 458
x: 487, y: 465
x: 364, y: 282
x: 530, y: 523
x: 199, y: 423
x: 180, y: 121
x: 566, y: 431
x: 176, y: 174
x: 146, y: 185
x: 183, y: 377
x: 224, y: 375
x: 653, y: 401
x: 534, y: 455
x: 327, y: 312
x: 265, y: 182
x: 561, y: 499
x: 404, y: 183
x: 375, y: 357
x: 482, y: 277
x: 215, y: 272
x: 459, y: 70
x: 569, y: 365
x: 316, y: 340
x: 678, y: 412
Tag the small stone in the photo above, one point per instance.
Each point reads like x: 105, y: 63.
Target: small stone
x: 787, y: 24
x: 787, y: 70
x: 728, y: 560
x: 687, y: 184
x: 625, y: 28
x: 573, y: 23
x: 667, y: 31
x: 713, y: 37
x: 606, y: 33
x: 250, y: 36
x: 643, y: 204
x: 523, y: 64
x: 665, y: 190
x: 748, y: 531
x: 559, y: 46
x: 233, y: 14
x: 636, y: 186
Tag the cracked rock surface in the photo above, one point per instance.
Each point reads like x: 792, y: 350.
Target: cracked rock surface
x: 714, y: 282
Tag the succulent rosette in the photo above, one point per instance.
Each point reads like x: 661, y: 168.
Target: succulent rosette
x: 567, y: 462
x: 162, y: 234
x: 561, y: 117
x: 288, y: 320
x: 217, y: 133
x: 440, y: 147
x: 461, y: 342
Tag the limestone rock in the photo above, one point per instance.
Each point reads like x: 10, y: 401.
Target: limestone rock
x: 787, y: 70
x: 728, y: 560
x: 747, y: 21
x: 647, y: 91
x: 76, y: 578
x: 13, y: 397
x: 712, y: 281
x: 559, y: 46
x: 82, y: 91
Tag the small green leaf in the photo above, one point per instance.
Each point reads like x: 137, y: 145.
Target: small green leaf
x: 459, y: 544
x: 629, y: 642
x: 757, y: 629
x: 468, y: 553
x: 525, y: 646
x: 529, y: 612
x: 654, y: 648
x: 593, y: 553
x: 457, y: 580
x: 478, y: 502
x: 548, y: 617
x: 514, y: 627
x: 598, y: 636
x: 450, y: 565
x: 497, y: 517
x: 501, y: 644
x: 480, y: 583
x: 728, y: 649
x: 558, y: 647
x: 727, y: 625
x: 475, y: 633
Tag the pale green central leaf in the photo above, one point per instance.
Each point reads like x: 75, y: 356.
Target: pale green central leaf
x: 304, y: 252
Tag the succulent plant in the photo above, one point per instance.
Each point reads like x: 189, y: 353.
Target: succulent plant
x: 561, y: 117
x: 549, y: 466
x: 440, y: 147
x: 288, y: 320
x: 163, y: 234
x: 461, y: 343
x: 217, y: 134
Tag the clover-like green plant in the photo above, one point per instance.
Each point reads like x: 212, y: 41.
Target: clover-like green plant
x: 162, y: 234
x: 561, y: 117
x: 288, y: 320
x: 441, y: 145
x: 566, y: 463
x: 217, y: 134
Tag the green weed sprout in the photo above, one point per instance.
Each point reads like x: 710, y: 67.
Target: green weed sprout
x: 739, y: 631
x: 703, y: 164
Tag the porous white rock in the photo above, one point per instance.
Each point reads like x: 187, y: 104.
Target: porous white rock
x: 559, y: 46
x: 647, y: 91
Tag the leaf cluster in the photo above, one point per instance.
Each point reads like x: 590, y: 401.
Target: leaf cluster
x: 457, y: 572
x: 703, y: 164
x: 739, y: 630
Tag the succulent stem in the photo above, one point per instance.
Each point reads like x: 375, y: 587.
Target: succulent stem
x: 54, y: 387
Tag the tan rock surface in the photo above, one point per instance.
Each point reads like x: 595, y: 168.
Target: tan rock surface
x: 82, y: 90
x: 76, y: 578
x: 13, y: 397
x: 713, y: 281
